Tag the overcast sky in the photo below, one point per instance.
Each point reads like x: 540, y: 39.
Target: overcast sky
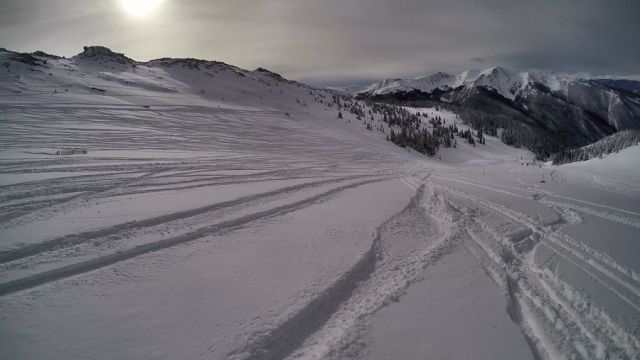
x: 343, y: 41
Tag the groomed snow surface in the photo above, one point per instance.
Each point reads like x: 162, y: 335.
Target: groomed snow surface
x: 204, y: 223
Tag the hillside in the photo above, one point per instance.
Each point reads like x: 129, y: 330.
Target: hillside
x: 610, y: 144
x: 186, y: 208
x: 558, y: 111
x: 168, y: 88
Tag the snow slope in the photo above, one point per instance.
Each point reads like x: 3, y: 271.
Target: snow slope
x: 228, y: 214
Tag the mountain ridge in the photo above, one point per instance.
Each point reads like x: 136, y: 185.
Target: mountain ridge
x: 106, y: 55
x: 574, y: 110
x: 507, y: 82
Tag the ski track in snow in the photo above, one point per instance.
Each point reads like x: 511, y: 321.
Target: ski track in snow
x: 395, y: 267
x: 122, y: 255
x: 566, y: 310
x: 74, y: 239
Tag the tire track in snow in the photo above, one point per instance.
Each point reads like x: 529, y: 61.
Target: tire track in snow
x: 552, y: 236
x: 601, y: 322
x: 524, y: 306
x: 431, y: 228
x: 220, y: 183
x: 289, y: 335
x: 18, y: 209
x: 591, y: 255
x: 596, y: 278
x: 482, y: 186
x: 85, y: 195
x: 286, y: 337
x: 75, y: 239
x: 558, y: 245
x: 517, y: 309
x: 630, y: 218
x: 100, y: 262
x: 596, y: 204
x: 196, y: 181
x: 622, y: 219
x: 503, y: 269
x: 530, y: 304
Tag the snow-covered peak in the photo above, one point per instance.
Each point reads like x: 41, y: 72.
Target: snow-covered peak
x: 437, y: 80
x: 557, y: 82
x: 506, y: 82
x: 439, y: 76
x: 424, y: 83
x: 387, y: 86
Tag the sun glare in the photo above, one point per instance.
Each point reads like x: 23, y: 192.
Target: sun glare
x: 140, y: 7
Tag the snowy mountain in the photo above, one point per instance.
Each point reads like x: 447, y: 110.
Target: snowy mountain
x: 119, y: 79
x: 507, y: 83
x: 427, y: 84
x: 573, y: 109
x: 611, y: 144
x: 186, y: 208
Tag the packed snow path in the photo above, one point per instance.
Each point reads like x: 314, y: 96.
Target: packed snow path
x: 241, y: 224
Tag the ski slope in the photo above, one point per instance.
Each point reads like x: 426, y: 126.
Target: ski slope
x: 221, y: 213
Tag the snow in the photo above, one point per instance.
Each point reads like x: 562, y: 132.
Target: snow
x: 619, y: 171
x: 203, y: 222
x: 397, y: 331
x: 505, y: 82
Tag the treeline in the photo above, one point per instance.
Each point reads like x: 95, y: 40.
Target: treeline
x: 610, y: 144
x: 491, y: 118
x: 407, y: 130
x: 513, y: 132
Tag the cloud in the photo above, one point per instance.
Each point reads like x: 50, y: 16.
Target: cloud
x: 325, y: 41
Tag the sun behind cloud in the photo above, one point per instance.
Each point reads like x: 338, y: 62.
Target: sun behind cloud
x: 140, y: 7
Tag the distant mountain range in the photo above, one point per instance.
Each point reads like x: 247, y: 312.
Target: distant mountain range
x: 507, y: 83
x: 577, y: 109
